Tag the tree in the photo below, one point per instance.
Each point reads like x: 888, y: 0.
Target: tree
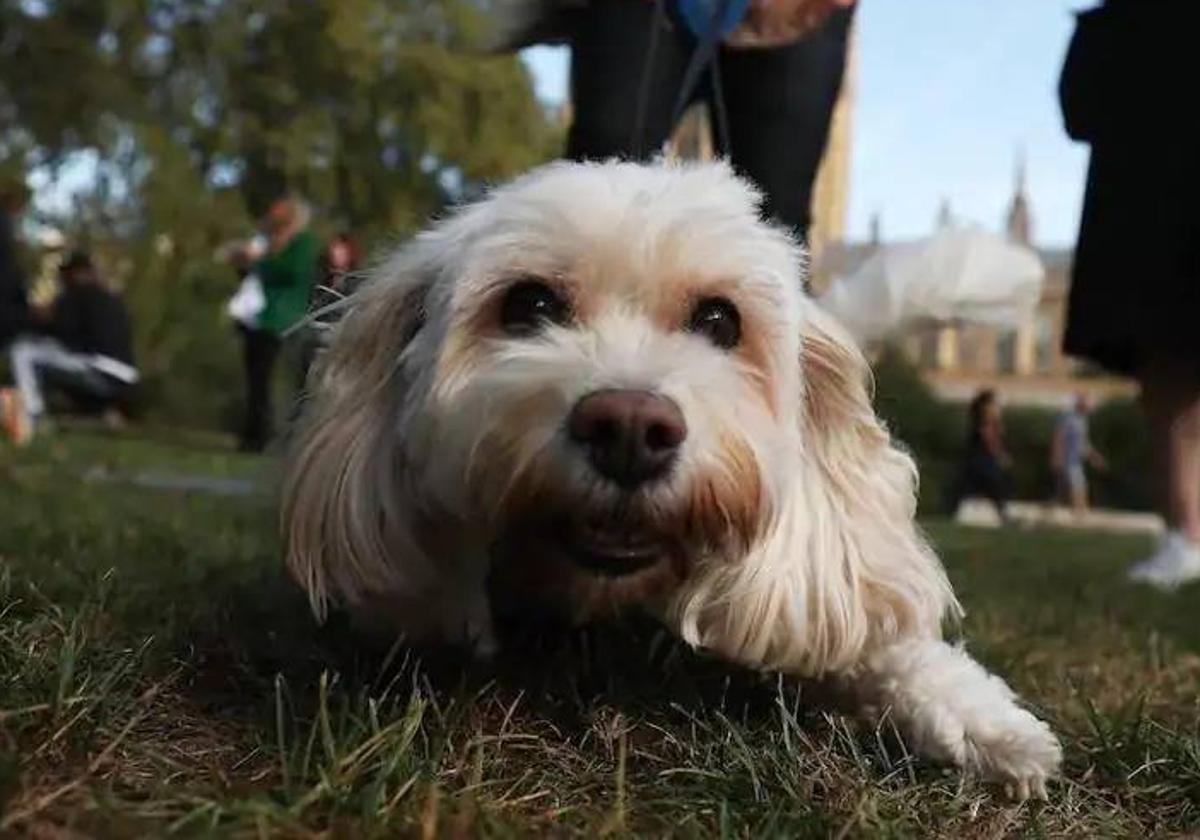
x: 370, y: 106
x: 198, y: 112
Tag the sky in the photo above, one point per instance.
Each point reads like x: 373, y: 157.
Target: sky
x: 949, y: 93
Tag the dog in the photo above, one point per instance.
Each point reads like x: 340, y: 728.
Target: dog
x: 602, y: 387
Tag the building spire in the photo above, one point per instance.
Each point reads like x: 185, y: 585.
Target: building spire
x: 945, y: 216
x: 1019, y: 224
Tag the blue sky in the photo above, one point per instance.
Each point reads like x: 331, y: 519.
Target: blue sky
x: 948, y: 92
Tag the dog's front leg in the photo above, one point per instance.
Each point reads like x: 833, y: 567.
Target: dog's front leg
x: 949, y: 708
x: 466, y: 609
x: 479, y: 626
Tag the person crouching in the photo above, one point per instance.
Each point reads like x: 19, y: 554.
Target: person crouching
x: 80, y: 346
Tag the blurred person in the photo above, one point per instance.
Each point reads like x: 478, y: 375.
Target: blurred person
x: 1129, y: 72
x: 340, y: 261
x: 1072, y: 453
x: 14, y: 302
x: 83, y: 348
x: 338, y: 269
x: 771, y: 87
x: 988, y: 464
x: 286, y: 273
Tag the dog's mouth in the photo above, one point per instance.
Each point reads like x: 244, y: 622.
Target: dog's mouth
x: 610, y: 548
x: 584, y: 566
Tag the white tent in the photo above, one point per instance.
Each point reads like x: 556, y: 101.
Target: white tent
x: 956, y: 275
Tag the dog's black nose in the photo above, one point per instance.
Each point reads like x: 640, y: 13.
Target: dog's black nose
x: 631, y: 437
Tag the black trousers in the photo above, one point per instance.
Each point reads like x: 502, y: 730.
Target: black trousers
x: 779, y: 100
x: 985, y: 477
x: 89, y: 391
x: 260, y: 351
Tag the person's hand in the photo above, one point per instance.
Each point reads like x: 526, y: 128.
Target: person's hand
x: 771, y: 23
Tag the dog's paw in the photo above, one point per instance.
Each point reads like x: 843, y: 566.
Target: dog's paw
x: 951, y: 710
x: 1015, y: 750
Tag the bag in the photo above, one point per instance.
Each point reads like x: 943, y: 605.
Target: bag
x: 248, y: 302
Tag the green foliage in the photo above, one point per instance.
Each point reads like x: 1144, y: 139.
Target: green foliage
x: 1119, y: 432
x: 934, y: 431
x: 197, y: 112
x: 366, y: 106
x: 1029, y: 434
x: 176, y: 291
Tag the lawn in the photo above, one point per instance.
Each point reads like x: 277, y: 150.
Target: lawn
x: 159, y: 675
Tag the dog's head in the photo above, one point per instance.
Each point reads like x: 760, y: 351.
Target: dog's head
x: 604, y: 384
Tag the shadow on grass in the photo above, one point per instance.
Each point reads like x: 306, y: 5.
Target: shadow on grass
x: 266, y: 631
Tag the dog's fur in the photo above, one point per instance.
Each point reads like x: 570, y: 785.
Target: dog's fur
x: 431, y: 460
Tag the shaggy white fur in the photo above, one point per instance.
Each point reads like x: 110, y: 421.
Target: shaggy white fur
x: 432, y: 479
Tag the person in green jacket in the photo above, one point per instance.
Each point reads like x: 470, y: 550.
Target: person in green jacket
x: 286, y: 272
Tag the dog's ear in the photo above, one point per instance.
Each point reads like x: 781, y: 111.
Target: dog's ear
x: 869, y: 490
x: 345, y: 529
x: 843, y: 568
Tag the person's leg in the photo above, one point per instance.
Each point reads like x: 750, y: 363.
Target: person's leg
x: 259, y: 356
x: 1171, y: 396
x: 780, y: 103
x: 88, y: 388
x: 622, y: 96
x: 998, y: 490
x: 23, y: 355
x: 983, y: 478
x: 271, y: 349
x: 250, y: 394
x: 1077, y: 482
x: 1065, y: 493
x: 41, y: 364
x: 36, y: 361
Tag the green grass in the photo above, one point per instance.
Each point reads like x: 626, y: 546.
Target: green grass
x: 159, y: 675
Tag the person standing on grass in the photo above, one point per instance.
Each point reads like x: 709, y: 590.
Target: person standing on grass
x: 1128, y: 88
x: 772, y: 83
x: 286, y: 273
x: 986, y: 470
x: 1072, y: 453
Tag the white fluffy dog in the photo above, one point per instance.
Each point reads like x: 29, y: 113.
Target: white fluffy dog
x: 603, y: 386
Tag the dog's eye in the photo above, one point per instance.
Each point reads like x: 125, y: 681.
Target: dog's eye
x: 718, y: 320
x: 530, y: 305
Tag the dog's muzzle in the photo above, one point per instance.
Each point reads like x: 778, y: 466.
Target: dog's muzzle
x: 631, y: 438
x: 612, y: 550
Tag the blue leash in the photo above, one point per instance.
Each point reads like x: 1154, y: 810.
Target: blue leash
x: 709, y: 22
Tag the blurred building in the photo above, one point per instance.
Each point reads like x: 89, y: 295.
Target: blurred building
x: 832, y: 190
x: 1026, y: 365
